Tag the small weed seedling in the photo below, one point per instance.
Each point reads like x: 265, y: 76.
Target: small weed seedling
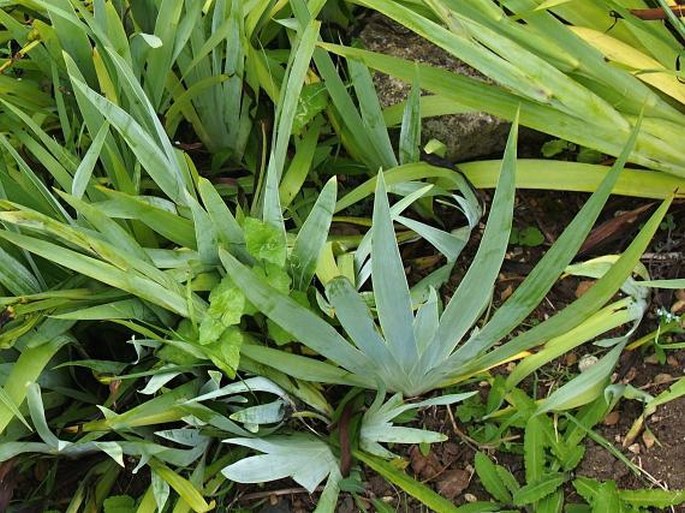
x: 552, y: 449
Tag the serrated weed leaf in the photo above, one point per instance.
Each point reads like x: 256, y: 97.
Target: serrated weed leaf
x: 491, y: 479
x: 656, y: 498
x: 534, y: 444
x: 313, y: 100
x: 607, y: 498
x: 536, y: 490
x: 225, y: 350
x: 119, y: 504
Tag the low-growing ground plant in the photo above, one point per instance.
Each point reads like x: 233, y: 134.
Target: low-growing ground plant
x: 414, y: 353
x: 552, y: 448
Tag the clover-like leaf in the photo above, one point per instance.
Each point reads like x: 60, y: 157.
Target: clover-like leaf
x: 225, y: 351
x: 264, y: 241
x: 226, y: 307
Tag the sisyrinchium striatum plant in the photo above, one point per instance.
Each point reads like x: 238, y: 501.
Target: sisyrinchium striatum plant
x: 416, y: 351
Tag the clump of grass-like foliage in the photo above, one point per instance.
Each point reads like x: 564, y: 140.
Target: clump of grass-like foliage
x: 175, y: 293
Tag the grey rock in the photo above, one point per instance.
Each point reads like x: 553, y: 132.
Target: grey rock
x: 467, y: 136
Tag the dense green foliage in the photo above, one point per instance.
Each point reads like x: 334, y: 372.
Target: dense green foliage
x: 192, y: 266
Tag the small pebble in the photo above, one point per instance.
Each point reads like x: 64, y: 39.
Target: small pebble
x: 635, y: 448
x: 587, y: 361
x: 662, y: 378
x: 648, y: 439
x: 612, y: 418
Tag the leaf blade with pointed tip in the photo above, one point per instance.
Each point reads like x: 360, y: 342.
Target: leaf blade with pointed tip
x: 413, y: 487
x: 15, y: 277
x: 355, y: 317
x: 410, y: 131
x: 142, y: 144
x: 188, y: 492
x: 85, y: 168
x: 583, y: 388
x: 390, y: 288
x: 228, y: 229
x: 475, y: 290
x: 533, y: 492
x: 491, y: 480
x: 540, y: 280
x: 138, y: 285
x: 312, y: 237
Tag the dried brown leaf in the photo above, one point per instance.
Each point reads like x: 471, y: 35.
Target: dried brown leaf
x: 453, y: 482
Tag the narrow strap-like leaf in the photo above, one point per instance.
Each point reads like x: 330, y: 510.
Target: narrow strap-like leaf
x: 475, y: 290
x: 85, y: 168
x: 585, y: 387
x: 390, y: 288
x: 162, y: 170
x: 227, y: 227
x: 356, y: 318
x: 410, y: 131
x: 106, y: 273
x: 312, y: 237
x: 540, y: 280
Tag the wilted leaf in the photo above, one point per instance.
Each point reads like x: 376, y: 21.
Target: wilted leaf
x: 453, y: 482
